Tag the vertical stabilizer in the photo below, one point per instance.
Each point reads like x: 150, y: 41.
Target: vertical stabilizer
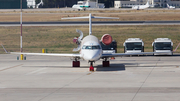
x: 90, y: 24
x: 147, y: 4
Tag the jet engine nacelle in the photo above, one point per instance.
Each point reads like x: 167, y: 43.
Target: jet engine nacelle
x: 75, y: 40
x: 106, y: 39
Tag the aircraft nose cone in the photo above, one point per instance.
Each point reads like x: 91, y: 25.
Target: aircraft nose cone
x: 91, y: 56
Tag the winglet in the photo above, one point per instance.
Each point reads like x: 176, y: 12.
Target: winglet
x: 4, y: 48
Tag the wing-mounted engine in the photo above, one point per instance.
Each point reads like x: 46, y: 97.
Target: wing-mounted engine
x: 106, y: 39
x: 77, y: 40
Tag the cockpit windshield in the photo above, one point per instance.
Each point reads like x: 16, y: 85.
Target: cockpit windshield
x: 91, y: 47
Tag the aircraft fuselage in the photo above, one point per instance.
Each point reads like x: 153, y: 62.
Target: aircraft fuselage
x: 91, y: 49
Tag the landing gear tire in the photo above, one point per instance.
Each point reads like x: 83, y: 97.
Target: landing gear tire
x: 76, y: 63
x: 105, y: 63
x: 91, y: 68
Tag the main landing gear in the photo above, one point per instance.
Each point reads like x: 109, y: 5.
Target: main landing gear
x: 105, y: 62
x: 76, y: 63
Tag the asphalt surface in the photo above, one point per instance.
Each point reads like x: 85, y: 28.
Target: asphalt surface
x: 74, y: 23
x: 45, y: 78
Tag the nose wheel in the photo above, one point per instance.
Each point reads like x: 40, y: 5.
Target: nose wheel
x: 91, y: 68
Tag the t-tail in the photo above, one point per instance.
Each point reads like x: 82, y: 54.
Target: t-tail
x: 90, y: 17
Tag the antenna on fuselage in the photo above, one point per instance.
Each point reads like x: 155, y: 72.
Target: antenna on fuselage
x: 90, y: 17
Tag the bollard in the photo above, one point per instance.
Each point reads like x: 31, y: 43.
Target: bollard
x: 22, y: 57
x: 17, y: 57
x: 43, y: 50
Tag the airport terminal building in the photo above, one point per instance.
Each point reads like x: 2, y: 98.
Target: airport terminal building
x: 154, y: 3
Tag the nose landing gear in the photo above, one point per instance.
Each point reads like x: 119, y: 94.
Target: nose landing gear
x: 91, y: 68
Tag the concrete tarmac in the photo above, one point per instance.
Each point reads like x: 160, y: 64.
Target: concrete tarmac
x: 45, y: 78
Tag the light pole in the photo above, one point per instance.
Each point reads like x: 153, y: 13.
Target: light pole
x: 64, y: 3
x: 21, y: 33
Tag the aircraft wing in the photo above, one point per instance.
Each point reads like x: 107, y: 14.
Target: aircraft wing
x: 128, y: 54
x: 45, y: 54
x: 48, y: 54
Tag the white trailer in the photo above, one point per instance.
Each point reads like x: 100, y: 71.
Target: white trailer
x: 133, y: 45
x: 163, y: 45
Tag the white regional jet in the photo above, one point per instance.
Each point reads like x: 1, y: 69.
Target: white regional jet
x: 138, y: 7
x: 170, y: 7
x: 81, y: 5
x: 89, y: 47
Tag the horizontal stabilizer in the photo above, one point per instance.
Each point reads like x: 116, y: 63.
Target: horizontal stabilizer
x: 93, y: 17
x: 98, y: 17
x: 86, y: 17
x: 90, y: 21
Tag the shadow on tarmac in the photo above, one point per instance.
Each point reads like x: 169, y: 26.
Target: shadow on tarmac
x: 113, y: 67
